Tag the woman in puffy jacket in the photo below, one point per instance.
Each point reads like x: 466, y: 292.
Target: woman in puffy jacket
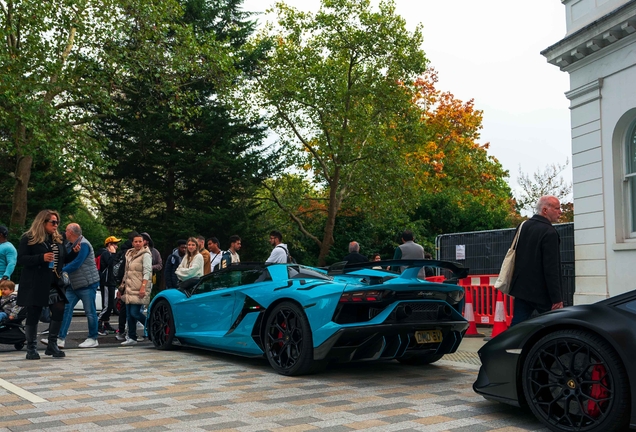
x: 136, y: 286
x: 192, y: 263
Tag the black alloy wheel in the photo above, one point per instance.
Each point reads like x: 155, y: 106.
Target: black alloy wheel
x: 420, y: 360
x: 162, y: 326
x: 575, y: 381
x: 288, y: 341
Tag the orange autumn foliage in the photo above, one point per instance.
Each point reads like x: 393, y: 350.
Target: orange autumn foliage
x: 451, y: 157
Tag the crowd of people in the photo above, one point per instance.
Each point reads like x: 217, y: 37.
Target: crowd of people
x: 60, y: 269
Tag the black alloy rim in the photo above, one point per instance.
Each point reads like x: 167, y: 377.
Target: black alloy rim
x: 161, y: 325
x: 570, y: 385
x: 284, y: 338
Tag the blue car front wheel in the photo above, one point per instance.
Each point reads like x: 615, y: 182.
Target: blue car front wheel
x: 161, y: 327
x: 288, y: 340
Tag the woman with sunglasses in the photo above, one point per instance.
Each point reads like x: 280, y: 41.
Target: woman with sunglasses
x: 42, y: 255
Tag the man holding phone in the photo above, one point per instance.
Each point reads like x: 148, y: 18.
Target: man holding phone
x: 84, y: 277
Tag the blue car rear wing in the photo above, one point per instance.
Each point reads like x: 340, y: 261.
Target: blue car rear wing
x: 411, y: 271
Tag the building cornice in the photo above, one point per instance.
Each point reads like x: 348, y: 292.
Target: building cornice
x: 595, y: 37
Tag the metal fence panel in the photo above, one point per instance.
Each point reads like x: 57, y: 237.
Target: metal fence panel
x: 485, y: 251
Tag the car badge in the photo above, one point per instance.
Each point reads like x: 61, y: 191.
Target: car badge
x: 425, y: 294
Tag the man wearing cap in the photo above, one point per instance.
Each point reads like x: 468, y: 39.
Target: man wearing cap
x: 107, y: 284
x: 8, y: 254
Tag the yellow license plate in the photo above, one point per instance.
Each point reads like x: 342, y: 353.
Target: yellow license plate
x: 428, y: 336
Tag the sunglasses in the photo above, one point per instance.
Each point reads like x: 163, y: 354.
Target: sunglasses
x: 53, y: 222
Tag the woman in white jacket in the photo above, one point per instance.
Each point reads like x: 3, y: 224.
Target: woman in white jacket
x: 192, y: 263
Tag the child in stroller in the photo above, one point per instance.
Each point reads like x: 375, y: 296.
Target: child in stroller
x: 11, y: 316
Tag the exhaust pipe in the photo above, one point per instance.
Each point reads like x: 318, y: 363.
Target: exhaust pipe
x: 403, y: 312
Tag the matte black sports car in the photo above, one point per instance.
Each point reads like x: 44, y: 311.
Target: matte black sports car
x: 574, y: 367
x: 301, y: 318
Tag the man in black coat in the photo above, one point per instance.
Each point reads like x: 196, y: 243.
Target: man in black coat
x: 536, y: 280
x: 354, y: 254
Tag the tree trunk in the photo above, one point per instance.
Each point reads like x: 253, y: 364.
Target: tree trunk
x: 334, y: 206
x: 22, y: 176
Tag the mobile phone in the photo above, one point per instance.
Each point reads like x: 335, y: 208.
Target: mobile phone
x: 76, y: 242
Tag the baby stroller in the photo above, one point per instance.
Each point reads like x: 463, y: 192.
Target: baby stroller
x: 12, y: 332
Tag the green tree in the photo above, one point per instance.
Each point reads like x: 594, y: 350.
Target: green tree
x: 49, y: 75
x: 338, y: 89
x: 462, y: 187
x: 181, y: 160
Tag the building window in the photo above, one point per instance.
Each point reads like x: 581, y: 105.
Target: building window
x: 630, y: 179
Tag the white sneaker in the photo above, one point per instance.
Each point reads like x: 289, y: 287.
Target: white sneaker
x: 60, y: 343
x: 120, y: 336
x: 45, y: 341
x: 140, y: 326
x: 129, y: 342
x: 89, y: 343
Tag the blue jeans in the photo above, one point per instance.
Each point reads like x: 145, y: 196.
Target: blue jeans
x: 87, y: 296
x: 3, y: 316
x: 133, y: 312
x: 523, y: 310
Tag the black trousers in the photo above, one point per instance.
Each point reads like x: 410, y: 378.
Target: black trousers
x: 108, y: 302
x: 33, y: 313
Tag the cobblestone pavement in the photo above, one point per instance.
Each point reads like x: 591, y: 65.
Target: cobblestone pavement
x: 140, y: 388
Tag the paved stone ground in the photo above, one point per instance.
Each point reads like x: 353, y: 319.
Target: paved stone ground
x: 140, y: 388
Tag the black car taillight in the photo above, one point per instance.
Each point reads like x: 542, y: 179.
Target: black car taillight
x: 362, y: 296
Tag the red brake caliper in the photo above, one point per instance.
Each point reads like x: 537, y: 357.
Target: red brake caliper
x: 280, y: 335
x: 597, y: 391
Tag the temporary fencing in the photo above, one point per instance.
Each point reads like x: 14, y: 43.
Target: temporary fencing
x: 484, y: 295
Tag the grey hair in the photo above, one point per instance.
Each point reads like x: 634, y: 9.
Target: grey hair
x: 354, y: 247
x: 544, y: 201
x: 75, y: 228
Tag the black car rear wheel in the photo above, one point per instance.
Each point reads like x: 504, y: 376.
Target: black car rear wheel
x: 162, y: 326
x: 575, y: 381
x: 18, y: 346
x: 421, y: 360
x: 288, y: 341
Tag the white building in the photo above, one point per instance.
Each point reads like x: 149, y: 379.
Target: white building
x: 599, y: 53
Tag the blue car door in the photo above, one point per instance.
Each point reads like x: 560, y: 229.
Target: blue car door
x: 205, y: 317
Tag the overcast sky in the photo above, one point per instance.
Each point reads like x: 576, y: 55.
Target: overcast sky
x: 488, y: 50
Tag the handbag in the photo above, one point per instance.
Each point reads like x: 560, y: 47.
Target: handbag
x: 504, y: 280
x: 63, y: 280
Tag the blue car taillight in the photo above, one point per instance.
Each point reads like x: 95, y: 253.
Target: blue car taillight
x: 362, y: 296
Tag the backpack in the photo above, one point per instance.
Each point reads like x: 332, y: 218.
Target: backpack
x: 290, y: 259
x: 119, y: 267
x: 98, y: 262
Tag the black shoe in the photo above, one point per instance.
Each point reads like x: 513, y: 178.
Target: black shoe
x: 108, y: 327
x: 51, y: 348
x: 31, y: 334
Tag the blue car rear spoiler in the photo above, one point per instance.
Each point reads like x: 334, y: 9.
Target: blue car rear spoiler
x: 412, y: 268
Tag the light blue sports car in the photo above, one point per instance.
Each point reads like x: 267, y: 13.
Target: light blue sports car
x: 301, y: 318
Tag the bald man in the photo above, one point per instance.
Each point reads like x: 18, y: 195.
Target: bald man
x: 536, y: 279
x: 84, y: 282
